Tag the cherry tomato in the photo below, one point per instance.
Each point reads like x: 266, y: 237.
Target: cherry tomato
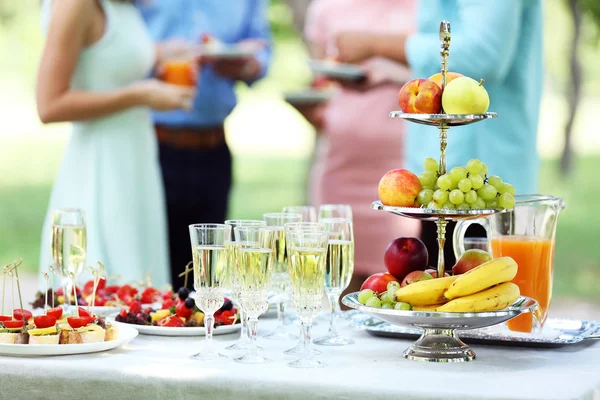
x: 182, y: 311
x: 5, y: 318
x: 135, y: 307
x: 56, y: 312
x: 14, y: 324
x: 167, y: 304
x: 22, y: 314
x: 44, y: 321
x: 167, y: 295
x: 77, y: 322
x: 88, y: 288
x: 84, y: 313
x: 171, y: 321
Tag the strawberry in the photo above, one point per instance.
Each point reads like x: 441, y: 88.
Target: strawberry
x: 171, y: 321
x: 150, y: 295
x: 135, y: 307
x: 168, y: 303
x: 227, y: 317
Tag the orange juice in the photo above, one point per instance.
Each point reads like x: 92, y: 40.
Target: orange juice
x: 179, y: 72
x: 535, y: 258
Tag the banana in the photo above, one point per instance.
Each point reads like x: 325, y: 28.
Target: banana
x: 425, y: 293
x: 430, y: 308
x: 486, y: 275
x: 492, y: 299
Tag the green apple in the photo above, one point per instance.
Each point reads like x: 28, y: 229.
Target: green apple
x: 465, y: 96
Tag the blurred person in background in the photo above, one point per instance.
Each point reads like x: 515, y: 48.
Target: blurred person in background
x: 92, y: 71
x: 499, y: 41
x: 195, y: 159
x: 359, y: 142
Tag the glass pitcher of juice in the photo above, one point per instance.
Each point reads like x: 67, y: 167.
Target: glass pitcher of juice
x: 527, y: 235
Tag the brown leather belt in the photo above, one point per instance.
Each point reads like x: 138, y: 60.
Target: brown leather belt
x: 191, y: 138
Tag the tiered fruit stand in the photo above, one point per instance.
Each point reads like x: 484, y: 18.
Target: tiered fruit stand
x: 439, y: 342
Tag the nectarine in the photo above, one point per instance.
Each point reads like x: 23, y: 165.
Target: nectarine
x: 399, y: 188
x: 420, y: 96
x: 437, y: 78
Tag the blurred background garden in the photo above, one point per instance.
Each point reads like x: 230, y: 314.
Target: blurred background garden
x: 272, y: 143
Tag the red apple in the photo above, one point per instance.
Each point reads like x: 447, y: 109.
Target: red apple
x: 405, y: 255
x: 433, y: 272
x: 399, y: 188
x: 378, y: 282
x: 421, y: 96
x: 437, y: 78
x: 415, y: 276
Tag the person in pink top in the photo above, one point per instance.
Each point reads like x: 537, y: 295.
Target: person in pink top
x: 359, y: 143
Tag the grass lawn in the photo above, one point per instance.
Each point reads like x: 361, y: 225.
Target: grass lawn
x: 267, y: 184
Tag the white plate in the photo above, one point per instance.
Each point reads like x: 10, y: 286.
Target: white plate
x: 337, y: 70
x: 126, y: 335
x: 309, y: 96
x: 171, y: 331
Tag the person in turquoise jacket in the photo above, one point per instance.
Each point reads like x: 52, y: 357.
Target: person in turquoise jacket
x: 499, y: 41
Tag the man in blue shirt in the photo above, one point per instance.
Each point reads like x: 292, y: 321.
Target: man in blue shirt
x: 499, y: 41
x: 195, y: 159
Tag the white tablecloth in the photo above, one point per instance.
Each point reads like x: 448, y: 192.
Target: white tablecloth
x: 373, y: 368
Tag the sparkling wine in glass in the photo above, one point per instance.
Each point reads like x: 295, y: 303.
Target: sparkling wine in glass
x: 210, y: 253
x: 308, y: 254
x: 68, y: 247
x: 255, y: 247
x: 280, y: 280
x: 309, y: 213
x: 338, y: 272
x: 244, y: 341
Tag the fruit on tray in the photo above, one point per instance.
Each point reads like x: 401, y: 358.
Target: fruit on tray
x: 378, y: 283
x: 464, y: 95
x: 404, y: 255
x: 383, y: 299
x: 486, y: 275
x: 437, y: 78
x: 415, y: 276
x: 433, y: 272
x: 463, y: 188
x: 470, y: 259
x: 425, y: 293
x: 399, y: 188
x: 421, y: 96
x: 495, y: 298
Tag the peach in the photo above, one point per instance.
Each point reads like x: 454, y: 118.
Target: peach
x: 399, y: 188
x: 420, y: 96
x: 415, y: 276
x: 437, y: 78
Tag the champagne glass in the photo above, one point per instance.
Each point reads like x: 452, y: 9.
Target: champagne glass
x: 210, y: 252
x: 244, y: 341
x: 308, y: 254
x: 338, y: 272
x: 309, y: 213
x: 68, y: 247
x: 306, y: 226
x: 255, y: 249
x: 280, y: 279
x: 335, y: 211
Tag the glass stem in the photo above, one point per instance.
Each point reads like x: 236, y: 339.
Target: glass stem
x: 209, y: 323
x: 244, y: 318
x: 281, y: 312
x: 306, y: 337
x: 253, y: 331
x: 333, y: 302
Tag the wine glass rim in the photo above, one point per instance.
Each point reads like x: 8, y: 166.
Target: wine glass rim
x: 297, y: 206
x: 246, y: 222
x: 281, y: 214
x: 210, y: 226
x: 334, y: 205
x: 534, y: 198
x: 258, y: 228
x: 337, y: 220
x: 68, y: 210
x: 307, y: 224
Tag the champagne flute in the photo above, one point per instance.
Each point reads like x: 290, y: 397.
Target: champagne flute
x: 335, y: 211
x: 210, y: 251
x: 338, y: 272
x: 280, y: 280
x: 309, y: 213
x: 255, y: 248
x: 308, y: 254
x: 68, y: 247
x: 244, y: 341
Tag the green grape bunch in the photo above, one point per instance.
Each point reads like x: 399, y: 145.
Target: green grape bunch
x: 463, y: 188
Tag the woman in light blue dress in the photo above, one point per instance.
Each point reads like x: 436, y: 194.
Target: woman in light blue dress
x: 92, y: 73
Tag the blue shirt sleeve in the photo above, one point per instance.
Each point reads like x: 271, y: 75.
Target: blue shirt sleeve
x: 483, y: 44
x: 258, y: 28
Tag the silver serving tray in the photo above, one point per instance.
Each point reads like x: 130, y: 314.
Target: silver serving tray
x: 557, y: 332
x: 447, y: 119
x: 430, y: 214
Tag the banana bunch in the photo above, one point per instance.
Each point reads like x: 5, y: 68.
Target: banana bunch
x: 484, y: 288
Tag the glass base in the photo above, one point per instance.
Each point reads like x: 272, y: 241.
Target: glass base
x: 299, y: 349
x: 439, y: 346
x: 240, y: 345
x: 208, y: 356
x: 307, y: 363
x: 336, y: 340
x: 281, y: 335
x: 252, y: 359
